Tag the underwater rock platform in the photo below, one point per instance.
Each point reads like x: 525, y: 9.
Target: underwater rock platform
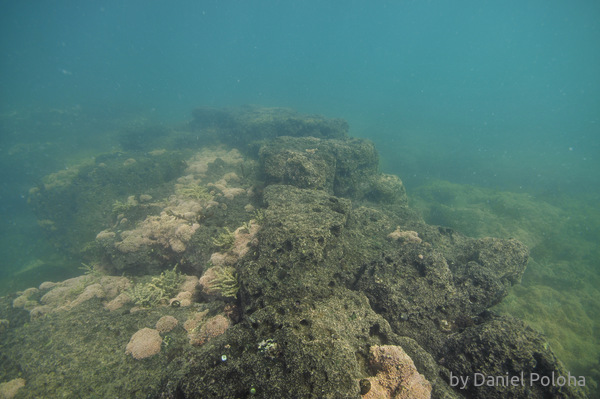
x: 257, y: 252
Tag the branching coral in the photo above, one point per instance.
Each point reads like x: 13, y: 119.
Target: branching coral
x: 92, y: 270
x: 194, y: 191
x: 124, y: 207
x: 146, y: 295
x: 160, y: 288
x: 259, y: 216
x: 224, y: 282
x: 169, y: 281
x: 224, y: 240
x: 244, y: 238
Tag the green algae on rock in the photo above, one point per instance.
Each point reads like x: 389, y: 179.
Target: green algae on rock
x: 320, y: 284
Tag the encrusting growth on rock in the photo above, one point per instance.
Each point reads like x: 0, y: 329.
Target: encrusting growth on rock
x: 396, y: 375
x: 9, y: 389
x: 405, y: 237
x: 166, y: 324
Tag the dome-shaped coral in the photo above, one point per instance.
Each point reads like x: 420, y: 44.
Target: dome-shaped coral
x: 144, y: 343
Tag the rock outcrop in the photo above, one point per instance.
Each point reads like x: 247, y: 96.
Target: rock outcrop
x: 319, y: 280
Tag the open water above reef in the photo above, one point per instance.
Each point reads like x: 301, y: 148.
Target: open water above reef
x: 488, y: 111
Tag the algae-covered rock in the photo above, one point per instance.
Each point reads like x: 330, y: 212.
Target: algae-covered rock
x: 302, y: 348
x: 302, y: 170
x: 240, y: 127
x: 72, y: 208
x: 505, y: 346
x: 300, y: 227
x: 335, y: 287
x: 387, y: 189
x: 343, y: 167
x: 435, y: 287
x: 184, y: 223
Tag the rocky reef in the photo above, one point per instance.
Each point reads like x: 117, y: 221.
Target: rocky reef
x: 307, y: 275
